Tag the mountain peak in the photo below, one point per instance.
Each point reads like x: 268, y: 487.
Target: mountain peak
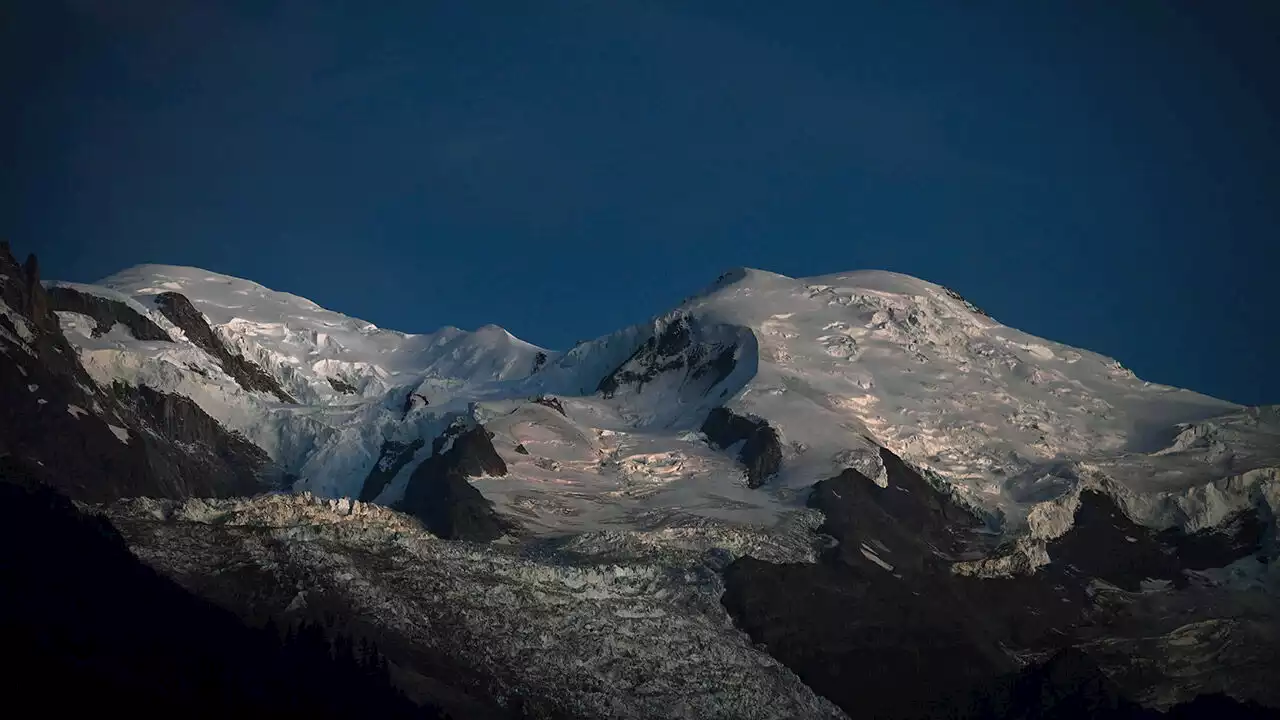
x: 829, y: 361
x: 876, y: 281
x: 888, y: 404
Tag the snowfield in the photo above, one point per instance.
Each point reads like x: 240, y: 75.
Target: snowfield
x: 1011, y: 425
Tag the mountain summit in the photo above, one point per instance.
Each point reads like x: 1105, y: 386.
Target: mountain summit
x: 837, y: 365
x: 922, y: 474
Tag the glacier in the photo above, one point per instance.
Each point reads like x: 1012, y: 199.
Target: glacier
x: 1012, y: 425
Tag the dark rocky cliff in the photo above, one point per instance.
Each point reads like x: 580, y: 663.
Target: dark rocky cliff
x: 761, y: 452
x: 673, y: 349
x: 883, y: 628
x: 95, y: 631
x: 93, y: 443
x: 179, y: 310
x: 105, y: 312
x: 439, y: 494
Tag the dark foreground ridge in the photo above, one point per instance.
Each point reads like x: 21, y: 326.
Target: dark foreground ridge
x: 1071, y: 686
x: 82, y: 616
x: 881, y: 626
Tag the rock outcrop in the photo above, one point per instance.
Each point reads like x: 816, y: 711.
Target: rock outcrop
x: 882, y: 626
x: 106, y: 313
x: 229, y: 463
x: 438, y: 492
x: 551, y: 402
x: 877, y: 631
x: 35, y: 302
x: 91, y: 443
x: 1104, y: 543
x: 761, y: 451
x: 673, y: 349
x: 391, y: 460
x: 412, y: 402
x: 1070, y: 685
x: 342, y: 386
x: 179, y: 310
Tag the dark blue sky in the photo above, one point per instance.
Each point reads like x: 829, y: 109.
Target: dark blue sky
x: 1101, y: 174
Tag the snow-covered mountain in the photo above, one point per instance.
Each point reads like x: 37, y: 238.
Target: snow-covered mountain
x: 866, y: 434
x: 836, y: 365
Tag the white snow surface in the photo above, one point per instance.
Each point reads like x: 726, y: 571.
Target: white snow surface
x: 304, y: 344
x: 1011, y: 424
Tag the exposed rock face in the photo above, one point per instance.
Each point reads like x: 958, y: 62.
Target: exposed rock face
x: 232, y: 465
x: 246, y: 373
x: 438, y: 492
x: 551, y: 402
x: 1070, y: 685
x: 1105, y: 543
x: 1238, y: 537
x: 909, y: 524
x: 672, y: 349
x: 85, y: 615
x: 972, y: 308
x: 877, y: 631
x: 393, y: 457
x: 886, y: 629
x: 93, y: 446
x: 539, y: 362
x: 342, y: 386
x: 53, y: 415
x: 106, y: 312
x: 762, y: 451
x: 413, y: 401
x: 35, y: 302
